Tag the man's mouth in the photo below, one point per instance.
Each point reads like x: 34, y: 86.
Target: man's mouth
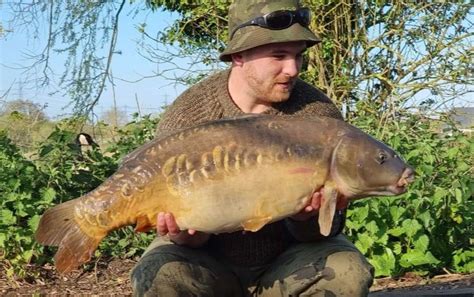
x: 286, y: 84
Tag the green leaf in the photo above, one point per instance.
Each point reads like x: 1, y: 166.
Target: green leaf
x: 397, y: 231
x: 364, y: 242
x: 397, y: 248
x: 411, y: 227
x: 439, y: 194
x: 421, y: 243
x: 425, y: 218
x: 384, y: 264
x: 458, y: 195
x: 372, y: 227
x: 26, y: 255
x: 360, y: 214
x: 33, y: 222
x: 7, y: 217
x: 396, y: 212
x: 417, y: 258
x: 49, y: 195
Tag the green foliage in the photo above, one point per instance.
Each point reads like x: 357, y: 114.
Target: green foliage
x: 23, y: 196
x: 430, y: 227
x: 58, y: 172
x: 426, y: 230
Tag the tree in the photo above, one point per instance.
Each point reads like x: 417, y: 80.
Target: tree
x: 85, y: 32
x: 389, y: 53
x: 27, y: 108
x: 25, y: 122
x: 115, y: 117
x: 376, y: 51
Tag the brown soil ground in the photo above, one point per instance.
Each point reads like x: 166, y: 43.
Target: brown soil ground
x: 112, y: 278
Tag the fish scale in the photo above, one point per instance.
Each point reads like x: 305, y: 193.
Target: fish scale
x: 228, y: 175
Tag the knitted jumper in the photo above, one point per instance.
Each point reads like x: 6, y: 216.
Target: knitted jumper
x: 210, y: 100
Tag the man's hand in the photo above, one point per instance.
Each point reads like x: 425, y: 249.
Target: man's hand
x: 166, y: 224
x: 312, y: 209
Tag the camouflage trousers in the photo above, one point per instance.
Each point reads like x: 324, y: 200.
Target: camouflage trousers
x: 333, y: 267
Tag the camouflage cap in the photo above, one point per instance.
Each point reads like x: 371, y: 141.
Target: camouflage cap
x: 241, y: 11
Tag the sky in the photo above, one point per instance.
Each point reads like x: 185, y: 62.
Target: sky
x: 151, y: 94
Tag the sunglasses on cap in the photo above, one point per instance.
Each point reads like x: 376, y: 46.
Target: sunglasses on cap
x: 278, y: 20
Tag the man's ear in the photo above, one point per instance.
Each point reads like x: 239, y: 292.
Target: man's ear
x: 237, y: 59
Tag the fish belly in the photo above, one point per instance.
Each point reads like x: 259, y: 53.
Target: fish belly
x: 266, y: 194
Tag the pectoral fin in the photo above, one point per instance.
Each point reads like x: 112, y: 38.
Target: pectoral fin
x: 143, y: 224
x: 255, y: 224
x: 327, y: 209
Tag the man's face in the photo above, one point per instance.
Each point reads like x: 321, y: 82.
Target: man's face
x: 271, y: 70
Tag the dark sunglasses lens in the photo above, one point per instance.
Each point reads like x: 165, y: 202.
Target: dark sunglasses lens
x: 279, y: 20
x: 304, y: 16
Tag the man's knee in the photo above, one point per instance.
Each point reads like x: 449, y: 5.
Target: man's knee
x: 177, y: 271
x: 346, y: 273
x: 151, y: 266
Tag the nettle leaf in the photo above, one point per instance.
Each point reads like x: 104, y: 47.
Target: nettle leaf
x: 411, y: 227
x: 417, y: 258
x: 364, y: 242
x: 397, y: 248
x: 397, y: 231
x: 48, y: 196
x: 464, y: 260
x: 421, y: 243
x: 425, y: 218
x: 372, y: 227
x: 33, y: 222
x: 7, y: 217
x: 360, y: 214
x: 384, y: 264
x: 396, y: 212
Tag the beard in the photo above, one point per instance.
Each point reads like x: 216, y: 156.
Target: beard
x: 270, y: 90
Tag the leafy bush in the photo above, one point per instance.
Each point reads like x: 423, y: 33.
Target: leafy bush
x: 58, y: 172
x: 24, y: 196
x: 427, y: 229
x: 430, y: 227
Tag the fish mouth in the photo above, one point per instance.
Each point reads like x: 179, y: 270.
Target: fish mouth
x: 406, y: 178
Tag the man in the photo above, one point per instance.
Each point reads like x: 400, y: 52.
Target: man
x: 286, y: 258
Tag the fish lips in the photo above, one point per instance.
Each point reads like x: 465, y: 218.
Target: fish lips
x: 408, y: 175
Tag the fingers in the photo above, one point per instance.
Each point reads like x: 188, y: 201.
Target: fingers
x: 315, y: 202
x: 161, y: 227
x: 166, y: 224
x: 173, y: 228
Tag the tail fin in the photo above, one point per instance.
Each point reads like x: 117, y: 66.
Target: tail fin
x: 57, y: 227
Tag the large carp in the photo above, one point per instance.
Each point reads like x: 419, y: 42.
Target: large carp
x: 227, y: 175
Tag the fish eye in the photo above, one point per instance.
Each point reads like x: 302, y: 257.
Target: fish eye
x: 382, y: 158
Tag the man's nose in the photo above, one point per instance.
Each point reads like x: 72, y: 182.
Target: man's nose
x: 292, y: 67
